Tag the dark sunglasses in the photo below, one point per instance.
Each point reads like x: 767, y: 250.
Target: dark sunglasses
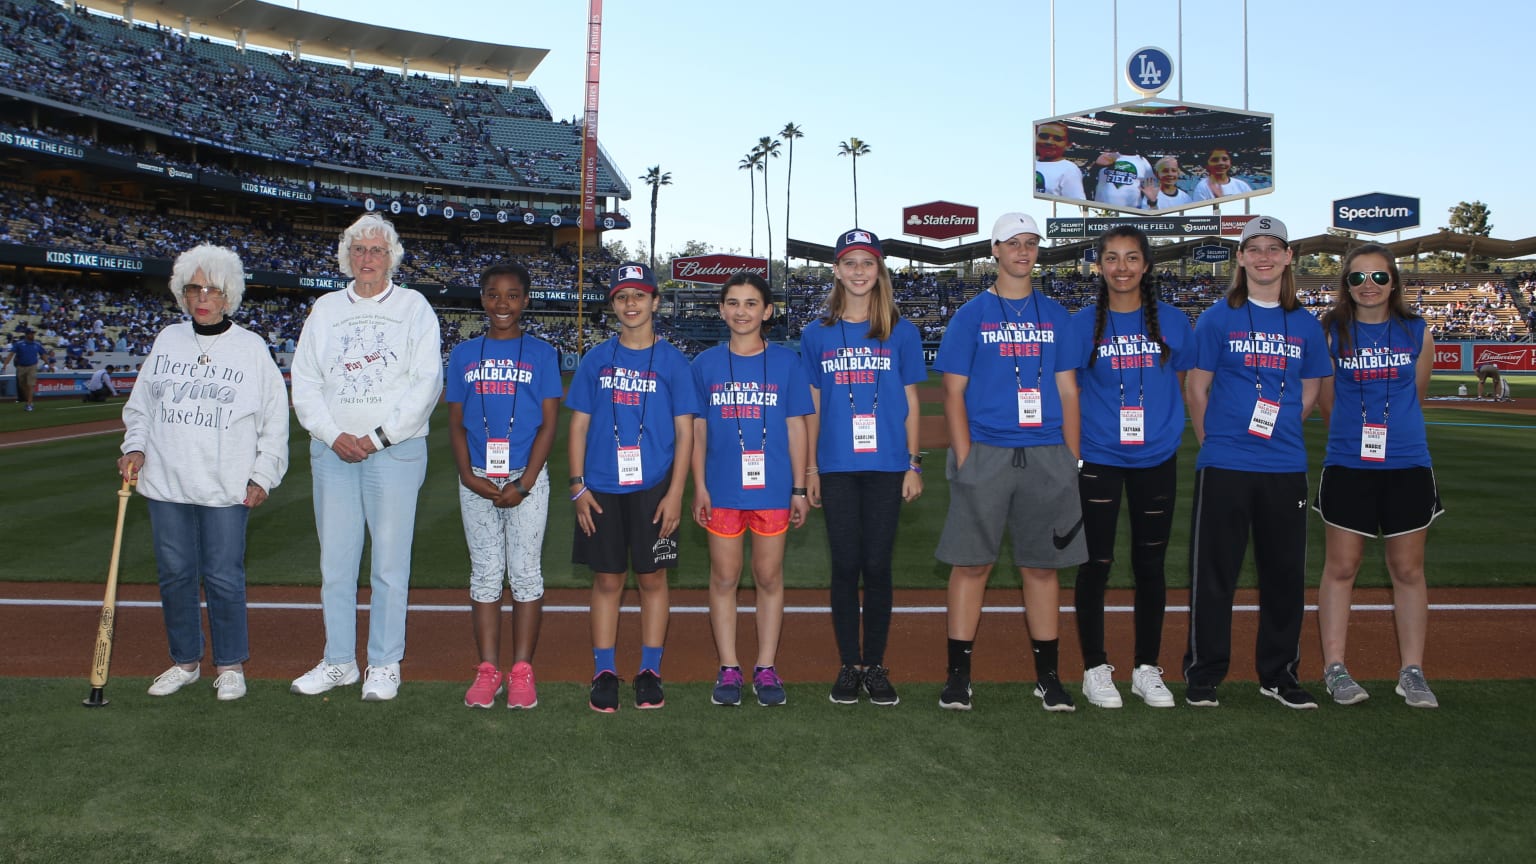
x: 1380, y: 277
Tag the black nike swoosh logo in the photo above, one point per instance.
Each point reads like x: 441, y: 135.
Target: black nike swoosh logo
x: 1062, y: 542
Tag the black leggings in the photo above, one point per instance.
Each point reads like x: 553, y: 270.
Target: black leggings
x: 862, y: 509
x: 1151, y: 492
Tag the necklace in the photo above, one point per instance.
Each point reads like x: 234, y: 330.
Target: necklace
x: 202, y: 357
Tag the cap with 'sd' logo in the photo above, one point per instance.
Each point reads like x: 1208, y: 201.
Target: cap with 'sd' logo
x: 858, y: 238
x: 1264, y: 226
x: 632, y: 274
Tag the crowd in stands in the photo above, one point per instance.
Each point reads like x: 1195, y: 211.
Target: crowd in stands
x: 288, y: 109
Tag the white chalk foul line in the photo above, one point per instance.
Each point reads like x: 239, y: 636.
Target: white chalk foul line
x: 793, y: 610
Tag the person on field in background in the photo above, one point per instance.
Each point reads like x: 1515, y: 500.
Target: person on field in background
x: 503, y: 394
x: 864, y: 362
x: 367, y: 373
x: 1377, y: 476
x: 1011, y: 406
x: 632, y: 403
x: 1260, y: 358
x: 27, y: 355
x: 749, y: 446
x: 100, y: 387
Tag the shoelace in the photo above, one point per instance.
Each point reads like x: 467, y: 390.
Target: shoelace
x: 875, y: 678
x: 226, y: 679
x: 1412, y: 680
x: 520, y: 675
x: 485, y: 676
x: 1153, y: 678
x: 731, y: 678
x: 767, y: 677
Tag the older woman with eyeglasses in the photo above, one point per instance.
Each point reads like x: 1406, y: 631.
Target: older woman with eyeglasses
x: 366, y: 376
x: 206, y: 441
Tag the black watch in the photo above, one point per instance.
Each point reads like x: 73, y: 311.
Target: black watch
x: 916, y: 458
x: 798, y: 491
x: 518, y: 485
x: 579, y: 480
x: 383, y: 439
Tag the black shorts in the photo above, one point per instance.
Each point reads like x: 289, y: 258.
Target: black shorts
x: 1383, y: 502
x: 625, y: 536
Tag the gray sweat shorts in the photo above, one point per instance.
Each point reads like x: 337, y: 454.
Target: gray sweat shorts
x: 1030, y: 491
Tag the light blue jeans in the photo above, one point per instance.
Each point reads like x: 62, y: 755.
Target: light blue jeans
x: 378, y: 494
x: 195, y: 543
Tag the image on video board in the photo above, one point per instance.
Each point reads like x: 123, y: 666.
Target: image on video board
x: 1154, y: 158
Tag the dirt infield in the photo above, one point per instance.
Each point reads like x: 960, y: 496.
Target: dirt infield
x: 48, y: 630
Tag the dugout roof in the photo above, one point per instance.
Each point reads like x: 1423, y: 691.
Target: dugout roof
x: 278, y: 27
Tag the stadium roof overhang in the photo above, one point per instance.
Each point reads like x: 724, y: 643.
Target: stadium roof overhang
x: 277, y: 27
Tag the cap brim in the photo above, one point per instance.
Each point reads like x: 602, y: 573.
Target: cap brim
x: 643, y: 286
x: 854, y: 247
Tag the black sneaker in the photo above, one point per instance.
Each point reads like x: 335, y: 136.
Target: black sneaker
x: 877, y: 684
x: 845, y: 690
x: 605, y: 692
x: 648, y: 690
x: 1052, y: 695
x: 957, y: 692
x: 1290, y: 695
x: 1201, y: 695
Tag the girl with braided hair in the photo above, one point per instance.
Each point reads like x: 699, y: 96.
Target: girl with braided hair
x: 1131, y: 351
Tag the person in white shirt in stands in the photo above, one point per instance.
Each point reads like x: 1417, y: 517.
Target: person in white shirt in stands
x: 366, y: 376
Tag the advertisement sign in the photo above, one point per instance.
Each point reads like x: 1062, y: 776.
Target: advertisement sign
x: 1149, y: 70
x: 1447, y: 358
x: 1172, y: 226
x: 1232, y: 226
x: 589, y: 146
x: 1154, y: 157
x: 1512, y: 357
x: 940, y: 220
x: 715, y: 269
x: 1376, y: 213
x: 1211, y: 254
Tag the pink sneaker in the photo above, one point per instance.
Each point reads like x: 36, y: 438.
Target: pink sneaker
x: 520, y: 692
x: 487, y: 686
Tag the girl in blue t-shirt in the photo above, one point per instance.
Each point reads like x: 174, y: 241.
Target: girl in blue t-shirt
x: 503, y: 392
x: 1131, y: 351
x: 1377, y: 479
x: 864, y: 362
x: 749, y: 449
x: 1260, y: 358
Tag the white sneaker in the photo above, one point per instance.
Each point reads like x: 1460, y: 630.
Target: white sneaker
x: 1147, y: 682
x: 174, y: 679
x: 326, y: 676
x: 382, y: 683
x: 1099, y: 686
x: 230, y: 684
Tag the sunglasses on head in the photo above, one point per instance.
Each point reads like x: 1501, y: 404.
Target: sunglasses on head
x: 1380, y: 277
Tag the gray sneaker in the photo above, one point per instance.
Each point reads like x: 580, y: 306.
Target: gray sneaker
x: 1414, y: 689
x: 1344, y: 689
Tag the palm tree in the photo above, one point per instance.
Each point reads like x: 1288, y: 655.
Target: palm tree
x: 789, y: 133
x: 767, y: 148
x: 855, y: 148
x: 748, y: 164
x: 655, y: 178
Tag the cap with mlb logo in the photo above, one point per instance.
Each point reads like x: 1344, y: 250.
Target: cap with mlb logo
x: 857, y: 238
x: 632, y: 274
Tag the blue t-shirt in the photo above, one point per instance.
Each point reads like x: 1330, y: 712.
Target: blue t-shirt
x: 1004, y: 346
x: 620, y: 386
x: 1278, y: 349
x: 497, y: 380
x: 841, y: 360
x: 27, y: 352
x: 1376, y: 372
x: 1128, y: 359
x: 753, y: 396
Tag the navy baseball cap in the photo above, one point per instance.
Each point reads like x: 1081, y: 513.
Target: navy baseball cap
x: 857, y: 238
x: 632, y: 274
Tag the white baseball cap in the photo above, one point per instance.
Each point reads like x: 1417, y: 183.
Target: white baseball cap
x: 1012, y: 224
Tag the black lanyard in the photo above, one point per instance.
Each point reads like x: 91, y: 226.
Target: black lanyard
x: 613, y: 366
x: 485, y: 419
x: 1386, y: 399
x: 731, y: 365
x: 1040, y: 365
x: 848, y: 352
x: 1285, y: 355
x: 1141, y: 381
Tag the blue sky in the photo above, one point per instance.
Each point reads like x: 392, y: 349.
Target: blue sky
x: 1397, y: 97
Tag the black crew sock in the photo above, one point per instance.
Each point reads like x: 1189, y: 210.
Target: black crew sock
x: 1045, y: 657
x: 960, y: 655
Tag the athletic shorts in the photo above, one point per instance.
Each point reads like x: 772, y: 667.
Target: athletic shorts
x: 1030, y: 491
x: 725, y: 522
x: 1383, y: 502
x: 626, y: 537
x: 26, y: 379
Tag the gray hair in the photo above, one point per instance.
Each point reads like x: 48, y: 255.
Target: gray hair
x: 220, y: 266
x: 369, y: 224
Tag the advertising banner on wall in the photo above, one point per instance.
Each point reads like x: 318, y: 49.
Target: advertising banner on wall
x: 1448, y: 358
x: 715, y: 269
x: 939, y: 220
x: 1508, y: 356
x: 1376, y: 213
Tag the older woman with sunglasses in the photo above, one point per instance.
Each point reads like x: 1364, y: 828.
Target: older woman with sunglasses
x: 206, y: 441
x: 366, y: 376
x: 1377, y: 478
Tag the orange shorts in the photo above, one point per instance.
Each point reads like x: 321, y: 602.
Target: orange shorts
x: 725, y: 522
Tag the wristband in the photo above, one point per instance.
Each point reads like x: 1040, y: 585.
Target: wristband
x: 383, y: 439
x: 579, y: 494
x: 812, y: 470
x: 915, y: 458
x: 798, y: 490
x: 916, y: 469
x: 578, y: 480
x: 518, y: 485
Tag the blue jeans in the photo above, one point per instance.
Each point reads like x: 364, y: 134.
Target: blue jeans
x: 195, y: 543
x: 378, y: 494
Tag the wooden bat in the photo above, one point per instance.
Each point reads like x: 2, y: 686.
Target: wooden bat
x: 101, y: 661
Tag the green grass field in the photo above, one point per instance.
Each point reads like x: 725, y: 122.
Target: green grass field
x: 62, y: 497
x: 281, y: 778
